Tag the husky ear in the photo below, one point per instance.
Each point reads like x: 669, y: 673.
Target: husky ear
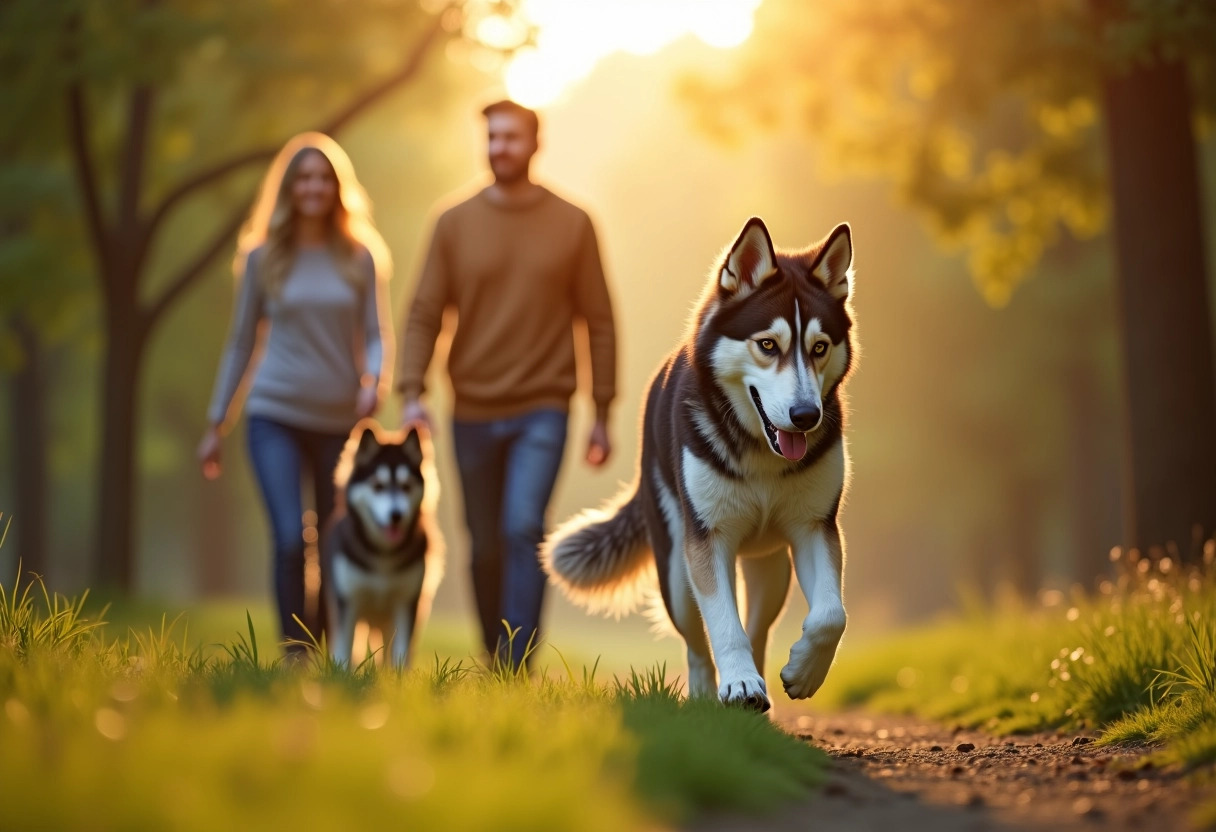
x: 413, y: 447
x: 369, y: 443
x: 834, y: 265
x: 750, y: 262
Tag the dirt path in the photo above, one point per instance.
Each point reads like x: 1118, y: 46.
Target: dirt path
x: 892, y: 774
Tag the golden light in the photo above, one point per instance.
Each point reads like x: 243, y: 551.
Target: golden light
x: 572, y: 37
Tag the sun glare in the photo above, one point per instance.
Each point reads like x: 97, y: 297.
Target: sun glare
x: 573, y: 35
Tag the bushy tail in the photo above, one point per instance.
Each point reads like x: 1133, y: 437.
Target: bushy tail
x: 601, y: 558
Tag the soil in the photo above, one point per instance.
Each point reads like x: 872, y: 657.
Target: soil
x: 892, y: 773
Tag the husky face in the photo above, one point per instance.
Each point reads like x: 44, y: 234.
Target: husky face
x: 384, y: 491
x: 779, y: 327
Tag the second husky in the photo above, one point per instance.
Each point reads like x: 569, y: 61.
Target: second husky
x: 382, y: 555
x: 743, y: 457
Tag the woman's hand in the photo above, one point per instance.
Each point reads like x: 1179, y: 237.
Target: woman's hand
x: 209, y: 453
x: 368, y: 401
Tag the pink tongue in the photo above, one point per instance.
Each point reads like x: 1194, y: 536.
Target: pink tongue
x: 793, y: 445
x: 394, y: 533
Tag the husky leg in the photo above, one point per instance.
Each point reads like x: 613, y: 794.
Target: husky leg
x: 405, y: 614
x: 343, y: 632
x: 711, y: 564
x: 702, y: 678
x: 819, y: 561
x: 332, y: 605
x: 403, y: 625
x: 766, y: 582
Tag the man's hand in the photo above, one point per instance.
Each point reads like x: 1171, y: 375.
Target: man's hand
x: 209, y: 453
x: 368, y: 401
x: 414, y: 415
x: 599, y: 447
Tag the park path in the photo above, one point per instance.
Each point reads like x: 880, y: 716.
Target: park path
x: 900, y: 774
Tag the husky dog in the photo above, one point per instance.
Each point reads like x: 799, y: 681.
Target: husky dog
x: 382, y: 555
x: 742, y: 458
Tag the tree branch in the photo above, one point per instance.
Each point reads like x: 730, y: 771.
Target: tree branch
x: 384, y: 87
x: 189, y: 273
x: 193, y: 269
x: 367, y: 98
x: 205, y: 178
x: 130, y: 183
x: 86, y: 176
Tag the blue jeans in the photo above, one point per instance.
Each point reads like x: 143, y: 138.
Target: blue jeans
x: 508, y: 468
x: 282, y: 455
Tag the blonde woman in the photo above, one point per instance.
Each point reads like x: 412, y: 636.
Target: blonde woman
x: 312, y: 267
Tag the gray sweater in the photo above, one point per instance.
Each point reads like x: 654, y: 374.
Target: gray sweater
x: 324, y: 335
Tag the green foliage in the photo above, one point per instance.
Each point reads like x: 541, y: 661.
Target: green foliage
x: 455, y: 746
x: 1195, y: 662
x: 984, y: 116
x: 681, y: 761
x: 649, y: 685
x: 55, y: 626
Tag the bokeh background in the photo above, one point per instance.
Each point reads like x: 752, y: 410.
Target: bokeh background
x: 969, y: 146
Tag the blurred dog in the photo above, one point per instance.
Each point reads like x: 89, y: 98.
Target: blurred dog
x: 382, y: 553
x: 743, y: 458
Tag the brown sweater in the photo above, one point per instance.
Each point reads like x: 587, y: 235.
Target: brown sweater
x: 518, y: 276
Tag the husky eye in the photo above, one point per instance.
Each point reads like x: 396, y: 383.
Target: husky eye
x: 819, y: 349
x: 768, y: 345
x: 377, y: 487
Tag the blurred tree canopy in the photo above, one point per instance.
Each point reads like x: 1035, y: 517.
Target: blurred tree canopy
x: 1003, y: 124
x: 985, y: 117
x: 121, y: 114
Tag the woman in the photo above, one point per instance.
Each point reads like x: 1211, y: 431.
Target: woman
x: 313, y: 267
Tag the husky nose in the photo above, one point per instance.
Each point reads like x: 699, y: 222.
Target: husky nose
x: 804, y: 416
x: 394, y: 518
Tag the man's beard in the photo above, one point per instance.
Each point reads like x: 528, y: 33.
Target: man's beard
x: 508, y: 173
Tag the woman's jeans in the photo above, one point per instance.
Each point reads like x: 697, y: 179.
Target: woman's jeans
x: 508, y: 468
x: 282, y: 456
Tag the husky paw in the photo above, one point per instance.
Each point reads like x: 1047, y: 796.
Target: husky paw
x: 747, y: 692
x: 807, y: 668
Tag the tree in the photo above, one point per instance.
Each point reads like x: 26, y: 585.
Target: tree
x: 989, y: 119
x: 34, y: 326
x: 131, y: 79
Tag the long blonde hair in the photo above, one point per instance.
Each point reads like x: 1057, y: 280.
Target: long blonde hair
x: 272, y: 220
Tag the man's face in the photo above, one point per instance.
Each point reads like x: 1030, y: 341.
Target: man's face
x: 511, y: 145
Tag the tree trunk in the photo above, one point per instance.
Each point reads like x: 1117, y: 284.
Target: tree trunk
x: 29, y: 438
x: 1170, y: 473
x: 1023, y: 560
x: 115, y: 554
x: 208, y: 521
x: 214, y: 549
x: 1091, y: 532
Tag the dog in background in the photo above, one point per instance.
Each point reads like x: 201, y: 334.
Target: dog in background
x: 382, y: 553
x: 743, y: 459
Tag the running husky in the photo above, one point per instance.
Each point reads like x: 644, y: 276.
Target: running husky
x: 382, y: 555
x: 742, y: 456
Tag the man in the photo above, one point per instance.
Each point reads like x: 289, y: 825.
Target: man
x: 518, y: 265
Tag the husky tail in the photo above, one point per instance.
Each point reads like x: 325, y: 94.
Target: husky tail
x: 601, y: 558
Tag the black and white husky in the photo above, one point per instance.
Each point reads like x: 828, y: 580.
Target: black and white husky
x: 742, y: 458
x: 382, y: 555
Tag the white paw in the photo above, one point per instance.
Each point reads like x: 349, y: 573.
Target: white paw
x: 747, y: 690
x: 807, y: 668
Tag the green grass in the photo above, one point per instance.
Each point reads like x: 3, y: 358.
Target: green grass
x: 1135, y: 662
x: 152, y: 728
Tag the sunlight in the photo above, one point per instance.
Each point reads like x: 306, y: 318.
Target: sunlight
x: 573, y: 37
